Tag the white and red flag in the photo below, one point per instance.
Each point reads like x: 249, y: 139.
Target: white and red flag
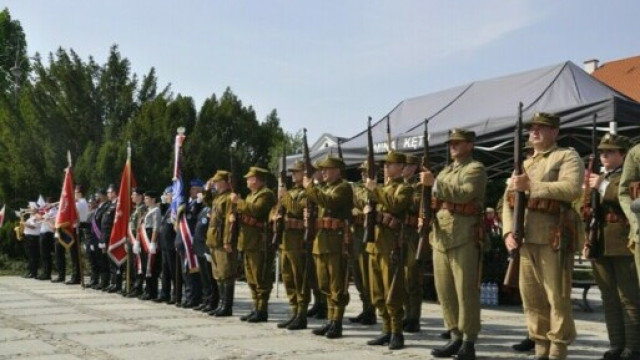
x: 117, y: 249
x: 67, y: 216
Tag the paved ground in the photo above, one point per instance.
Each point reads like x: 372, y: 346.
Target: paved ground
x: 42, y: 320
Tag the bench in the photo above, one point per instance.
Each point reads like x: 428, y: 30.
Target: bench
x: 583, y: 279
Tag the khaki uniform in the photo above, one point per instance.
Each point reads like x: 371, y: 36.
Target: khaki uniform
x: 615, y: 273
x: 254, y: 242
x: 556, y: 177
x: 335, y: 201
x: 393, y: 200
x: 456, y: 248
x: 223, y: 262
x: 293, y: 251
x: 359, y: 257
x: 631, y: 174
x: 413, y: 269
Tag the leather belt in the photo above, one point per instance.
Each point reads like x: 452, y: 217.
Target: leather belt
x: 293, y: 224
x: 388, y: 220
x: 329, y: 223
x: 466, y: 209
x: 251, y: 221
x: 411, y: 221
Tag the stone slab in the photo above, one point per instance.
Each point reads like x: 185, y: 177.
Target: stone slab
x: 165, y: 351
x: 124, y: 338
x: 7, y: 334
x: 14, y: 348
x: 89, y: 327
x: 59, y: 318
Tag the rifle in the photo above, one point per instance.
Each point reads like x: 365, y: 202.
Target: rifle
x: 370, y: 208
x: 426, y: 213
x: 512, y: 274
x: 595, y: 217
x: 278, y: 224
x: 234, y: 229
x: 346, y: 241
x: 389, y: 142
x: 310, y: 216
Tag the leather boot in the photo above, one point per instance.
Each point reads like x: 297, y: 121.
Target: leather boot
x: 313, y: 310
x: 75, y: 280
x: 446, y: 335
x: 396, y: 342
x: 335, y: 331
x: 221, y: 291
x: 321, y: 314
x: 247, y: 316
x: 285, y: 323
x: 611, y: 354
x: 467, y: 351
x: 628, y: 354
x: 227, y: 306
x: 259, y: 316
x: 369, y: 317
x: 322, y: 330
x: 412, y: 325
x: 93, y: 280
x: 357, y: 318
x: 448, y: 350
x: 215, y: 297
x: 383, y: 339
x: 526, y: 345
x: 299, y: 323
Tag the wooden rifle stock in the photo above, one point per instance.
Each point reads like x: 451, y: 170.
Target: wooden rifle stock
x: 426, y: 213
x: 370, y: 207
x: 594, y: 221
x: 234, y: 229
x: 513, y: 270
x: 278, y: 224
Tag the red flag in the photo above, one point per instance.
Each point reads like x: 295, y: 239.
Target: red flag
x: 120, y: 231
x: 67, y: 216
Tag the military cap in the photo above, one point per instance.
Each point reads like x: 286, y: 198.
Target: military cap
x: 614, y: 142
x: 221, y: 175
x: 298, y: 165
x: 79, y: 188
x: 257, y: 172
x: 112, y: 187
x: 331, y: 162
x: 461, y: 135
x: 413, y: 160
x: 364, y: 166
x: 394, y: 157
x: 101, y: 191
x: 196, y: 183
x: 168, y: 189
x: 151, y: 194
x: 546, y: 119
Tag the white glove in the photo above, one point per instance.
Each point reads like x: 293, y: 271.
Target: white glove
x: 136, y: 247
x: 208, y: 256
x: 102, y: 245
x: 153, y: 247
x: 93, y: 248
x: 199, y: 197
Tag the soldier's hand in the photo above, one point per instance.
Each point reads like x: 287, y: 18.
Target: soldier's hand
x: 427, y: 178
x: 227, y: 248
x: 281, y: 192
x: 234, y: 198
x: 594, y: 181
x: 585, y: 250
x: 510, y: 242
x: 371, y: 184
x: 521, y: 182
x: 306, y: 182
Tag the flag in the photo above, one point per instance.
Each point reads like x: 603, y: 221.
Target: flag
x: 118, y: 240
x: 2, y: 215
x: 67, y: 216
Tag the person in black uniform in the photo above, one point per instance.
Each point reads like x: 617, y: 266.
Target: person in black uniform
x: 108, y: 217
x: 166, y: 236
x: 100, y: 266
x: 210, y: 294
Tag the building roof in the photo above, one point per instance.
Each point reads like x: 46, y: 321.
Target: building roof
x: 622, y: 75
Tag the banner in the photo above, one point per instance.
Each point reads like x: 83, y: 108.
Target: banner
x: 67, y: 216
x: 117, y: 249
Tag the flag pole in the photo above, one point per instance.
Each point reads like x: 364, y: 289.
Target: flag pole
x: 129, y: 248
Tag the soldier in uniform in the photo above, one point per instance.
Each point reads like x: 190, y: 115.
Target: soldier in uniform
x: 293, y: 251
x: 210, y: 294
x: 457, y: 243
x: 614, y: 269
x: 97, y: 258
x: 359, y: 260
x: 629, y: 191
x: 106, y: 226
x: 335, y: 201
x: 392, y: 203
x: 166, y: 237
x: 149, y: 226
x: 255, y: 242
x: 137, y: 257
x: 223, y: 250
x: 319, y: 308
x: 552, y: 180
x: 413, y: 270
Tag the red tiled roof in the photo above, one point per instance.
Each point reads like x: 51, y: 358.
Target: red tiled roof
x: 622, y: 75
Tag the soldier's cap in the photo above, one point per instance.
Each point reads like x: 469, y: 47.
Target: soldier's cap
x: 614, y: 142
x: 331, y: 162
x: 196, y: 183
x: 394, y: 157
x: 257, y: 172
x: 298, y: 165
x: 461, y: 135
x: 168, y: 189
x: 221, y: 175
x: 364, y: 166
x: 112, y: 187
x: 101, y: 191
x: 151, y: 194
x: 413, y: 160
x: 546, y: 119
x: 137, y: 190
x: 80, y: 189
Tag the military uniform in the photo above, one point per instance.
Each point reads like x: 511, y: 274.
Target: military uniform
x: 359, y: 260
x: 101, y: 265
x: 335, y: 202
x: 385, y: 260
x: 166, y: 237
x: 629, y: 191
x: 136, y: 256
x: 413, y: 270
x: 218, y: 235
x: 293, y: 257
x: 210, y: 294
x: 106, y: 226
x: 555, y: 177
x: 614, y: 269
x: 149, y: 226
x: 255, y: 243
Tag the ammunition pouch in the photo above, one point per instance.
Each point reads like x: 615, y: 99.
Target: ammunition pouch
x: 293, y: 224
x: 388, y: 220
x: 547, y: 206
x: 615, y: 218
x: 565, y: 236
x: 466, y: 209
x: 329, y: 223
x: 251, y: 221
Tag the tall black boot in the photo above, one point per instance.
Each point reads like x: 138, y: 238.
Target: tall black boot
x: 227, y: 308
x: 221, y: 292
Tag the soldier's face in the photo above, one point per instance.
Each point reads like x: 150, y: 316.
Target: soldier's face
x: 542, y: 136
x: 136, y: 198
x: 460, y: 149
x: 253, y: 183
x: 149, y: 201
x: 297, y: 176
x: 393, y: 170
x: 221, y: 185
x: 409, y: 170
x: 111, y: 195
x: 330, y: 174
x: 611, y: 159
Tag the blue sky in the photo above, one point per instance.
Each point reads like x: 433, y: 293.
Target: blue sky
x: 327, y: 65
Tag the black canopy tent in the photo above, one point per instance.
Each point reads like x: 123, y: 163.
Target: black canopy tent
x: 489, y: 108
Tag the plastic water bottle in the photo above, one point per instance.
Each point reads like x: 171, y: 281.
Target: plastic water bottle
x: 484, y: 292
